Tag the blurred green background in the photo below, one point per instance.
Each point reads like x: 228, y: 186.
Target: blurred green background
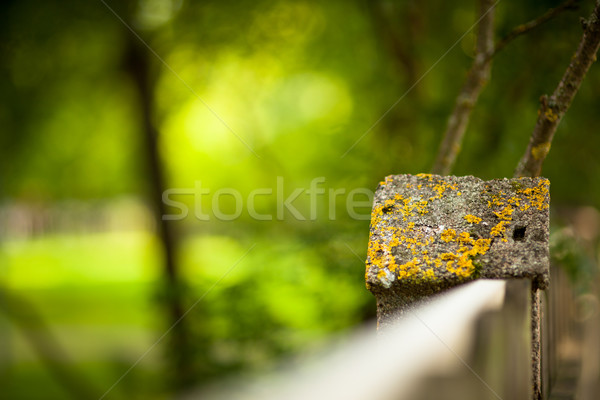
x: 95, y: 126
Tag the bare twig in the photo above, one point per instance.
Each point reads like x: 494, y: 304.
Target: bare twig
x: 534, y: 23
x: 477, y: 77
x: 550, y: 113
x: 553, y: 108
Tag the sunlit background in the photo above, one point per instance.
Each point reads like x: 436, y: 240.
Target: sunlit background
x: 106, y: 104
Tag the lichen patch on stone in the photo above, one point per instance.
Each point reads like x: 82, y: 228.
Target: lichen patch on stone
x: 442, y: 231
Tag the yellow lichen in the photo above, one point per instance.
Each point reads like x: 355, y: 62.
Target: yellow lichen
x: 536, y: 196
x: 429, y: 274
x: 408, y: 269
x: 550, y: 115
x: 413, y: 241
x: 515, y: 201
x: 462, y: 268
x: 426, y: 176
x: 505, y: 214
x: 540, y: 151
x: 448, y: 235
x: 472, y: 219
x: 502, y: 205
x: 500, y: 229
x: 448, y: 256
x: 465, y: 238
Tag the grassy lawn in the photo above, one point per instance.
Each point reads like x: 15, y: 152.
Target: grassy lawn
x: 95, y: 294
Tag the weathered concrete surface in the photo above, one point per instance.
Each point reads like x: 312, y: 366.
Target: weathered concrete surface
x: 429, y: 233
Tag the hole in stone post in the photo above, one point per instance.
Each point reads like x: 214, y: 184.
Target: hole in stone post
x: 519, y: 233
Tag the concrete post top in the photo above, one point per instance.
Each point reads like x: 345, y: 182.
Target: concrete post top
x: 431, y: 232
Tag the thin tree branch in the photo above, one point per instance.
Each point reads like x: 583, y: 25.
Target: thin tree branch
x: 553, y: 108
x: 477, y: 78
x: 529, y: 26
x: 139, y: 69
x: 550, y: 113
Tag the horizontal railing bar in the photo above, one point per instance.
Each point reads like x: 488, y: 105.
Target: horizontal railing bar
x: 375, y: 366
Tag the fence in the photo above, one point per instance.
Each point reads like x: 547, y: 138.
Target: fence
x: 431, y: 233
x: 471, y: 342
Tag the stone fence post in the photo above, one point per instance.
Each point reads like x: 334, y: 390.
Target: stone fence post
x: 430, y: 233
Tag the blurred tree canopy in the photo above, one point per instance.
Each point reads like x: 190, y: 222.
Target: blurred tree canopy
x: 243, y: 93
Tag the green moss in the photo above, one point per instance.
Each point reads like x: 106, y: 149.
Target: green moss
x: 478, y: 267
x: 516, y: 185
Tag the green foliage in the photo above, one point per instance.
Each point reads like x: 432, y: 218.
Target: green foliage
x: 569, y: 254
x: 301, y: 85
